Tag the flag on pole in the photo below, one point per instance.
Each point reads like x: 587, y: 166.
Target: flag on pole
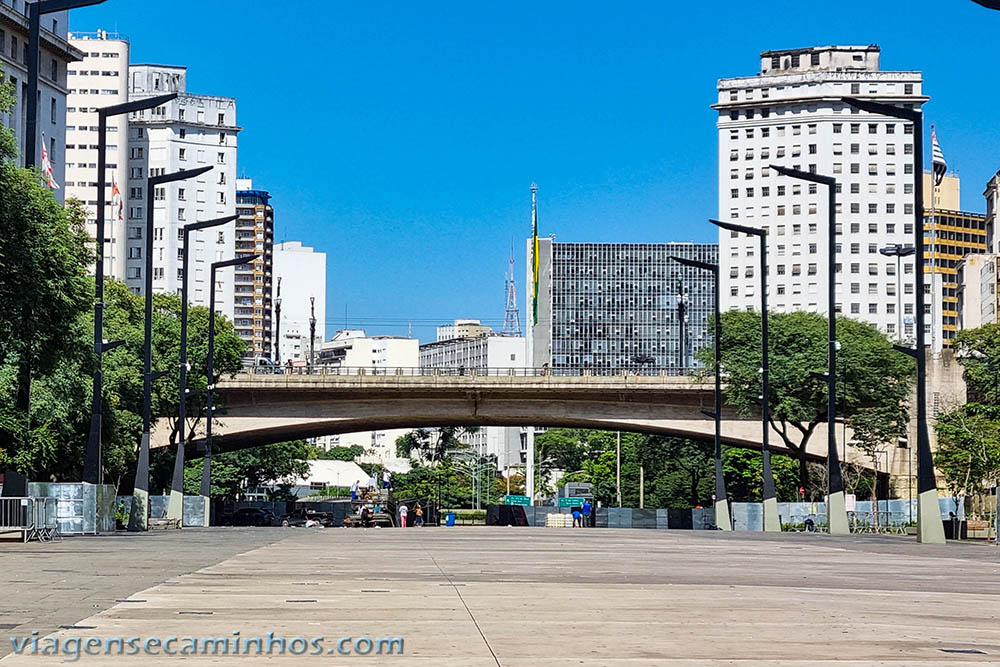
x: 117, y: 203
x: 534, y: 255
x: 47, y: 167
x: 938, y: 163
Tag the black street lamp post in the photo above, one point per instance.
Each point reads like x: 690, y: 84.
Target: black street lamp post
x: 836, y: 505
x: 34, y: 11
x: 206, y: 470
x: 93, y: 471
x: 277, y: 326
x: 772, y: 522
x: 929, y: 526
x: 175, y: 507
x: 899, y: 251
x: 138, y: 519
x: 722, y: 519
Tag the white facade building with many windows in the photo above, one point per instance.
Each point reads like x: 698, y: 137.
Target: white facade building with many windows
x: 56, y: 57
x: 791, y: 114
x: 189, y: 132
x: 99, y: 80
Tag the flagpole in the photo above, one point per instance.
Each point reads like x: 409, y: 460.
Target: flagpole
x: 529, y: 470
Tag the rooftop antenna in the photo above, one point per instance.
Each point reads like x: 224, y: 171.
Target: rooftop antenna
x: 512, y: 318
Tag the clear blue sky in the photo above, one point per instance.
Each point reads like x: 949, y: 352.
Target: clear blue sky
x: 401, y: 137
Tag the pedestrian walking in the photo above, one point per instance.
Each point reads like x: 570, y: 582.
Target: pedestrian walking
x: 354, y: 489
x: 386, y: 480
x: 587, y: 509
x: 418, y: 520
x: 402, y: 515
x: 373, y: 483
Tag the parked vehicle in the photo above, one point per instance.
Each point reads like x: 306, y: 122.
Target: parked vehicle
x: 300, y: 516
x: 253, y: 516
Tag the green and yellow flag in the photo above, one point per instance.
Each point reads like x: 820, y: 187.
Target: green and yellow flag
x: 534, y: 255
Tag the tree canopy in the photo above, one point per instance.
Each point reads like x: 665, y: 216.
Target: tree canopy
x: 870, y: 374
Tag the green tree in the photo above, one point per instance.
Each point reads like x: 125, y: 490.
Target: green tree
x: 235, y: 472
x: 968, y: 453
x: 978, y: 350
x: 744, y: 472
x: 341, y: 453
x: 869, y: 373
x: 44, y: 287
x: 433, y: 445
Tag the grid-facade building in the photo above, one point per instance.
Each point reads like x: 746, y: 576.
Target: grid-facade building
x: 949, y: 236
x: 791, y: 114
x: 186, y: 133
x: 99, y: 80
x: 614, y: 306
x: 252, y: 289
x: 56, y: 56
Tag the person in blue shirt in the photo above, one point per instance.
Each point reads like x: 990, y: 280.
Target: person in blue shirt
x: 587, y: 509
x: 576, y: 517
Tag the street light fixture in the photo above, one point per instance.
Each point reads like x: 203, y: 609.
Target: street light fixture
x: 34, y: 11
x: 138, y: 519
x: 93, y: 471
x: 206, y: 470
x: 930, y: 529
x: 772, y: 522
x: 899, y: 251
x: 722, y: 519
x: 836, y: 508
x: 175, y: 506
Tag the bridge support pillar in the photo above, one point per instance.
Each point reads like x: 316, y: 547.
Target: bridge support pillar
x: 175, y: 505
x: 836, y: 514
x: 772, y: 522
x: 722, y: 520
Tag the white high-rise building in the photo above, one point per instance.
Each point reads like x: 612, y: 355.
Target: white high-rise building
x: 99, y: 80
x: 56, y: 57
x: 299, y: 273
x: 189, y: 132
x: 791, y: 114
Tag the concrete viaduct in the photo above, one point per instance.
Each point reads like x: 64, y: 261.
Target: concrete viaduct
x: 261, y: 408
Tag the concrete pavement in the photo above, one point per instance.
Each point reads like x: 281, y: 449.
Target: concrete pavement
x: 521, y: 597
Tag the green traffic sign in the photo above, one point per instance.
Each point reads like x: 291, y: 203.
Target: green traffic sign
x: 517, y: 500
x: 571, y: 502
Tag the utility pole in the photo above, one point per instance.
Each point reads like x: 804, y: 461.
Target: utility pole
x: 312, y: 331
x: 642, y: 487
x: 277, y: 326
x: 618, y: 471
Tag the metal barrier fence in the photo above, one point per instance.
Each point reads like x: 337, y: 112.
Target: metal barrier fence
x: 33, y: 518
x: 417, y: 371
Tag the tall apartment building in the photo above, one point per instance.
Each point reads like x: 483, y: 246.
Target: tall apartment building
x: 56, y: 55
x: 189, y: 132
x: 790, y: 114
x: 252, y: 292
x: 99, y: 80
x: 950, y: 235
x: 614, y: 306
x: 299, y: 275
x: 473, y: 351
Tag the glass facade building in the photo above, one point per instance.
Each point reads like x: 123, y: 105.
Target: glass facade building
x: 614, y: 306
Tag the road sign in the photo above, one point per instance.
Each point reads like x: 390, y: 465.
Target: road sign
x: 516, y: 500
x: 571, y: 502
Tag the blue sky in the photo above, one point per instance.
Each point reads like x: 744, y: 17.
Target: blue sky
x: 401, y: 138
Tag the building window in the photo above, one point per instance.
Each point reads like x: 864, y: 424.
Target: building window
x: 182, y: 154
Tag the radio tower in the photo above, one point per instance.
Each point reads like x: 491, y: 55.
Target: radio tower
x: 511, y: 320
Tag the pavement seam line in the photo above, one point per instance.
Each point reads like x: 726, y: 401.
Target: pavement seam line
x: 464, y: 604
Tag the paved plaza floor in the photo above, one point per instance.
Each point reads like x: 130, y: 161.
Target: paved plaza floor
x: 516, y: 597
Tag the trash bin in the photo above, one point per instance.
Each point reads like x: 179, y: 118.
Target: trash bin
x: 449, y: 519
